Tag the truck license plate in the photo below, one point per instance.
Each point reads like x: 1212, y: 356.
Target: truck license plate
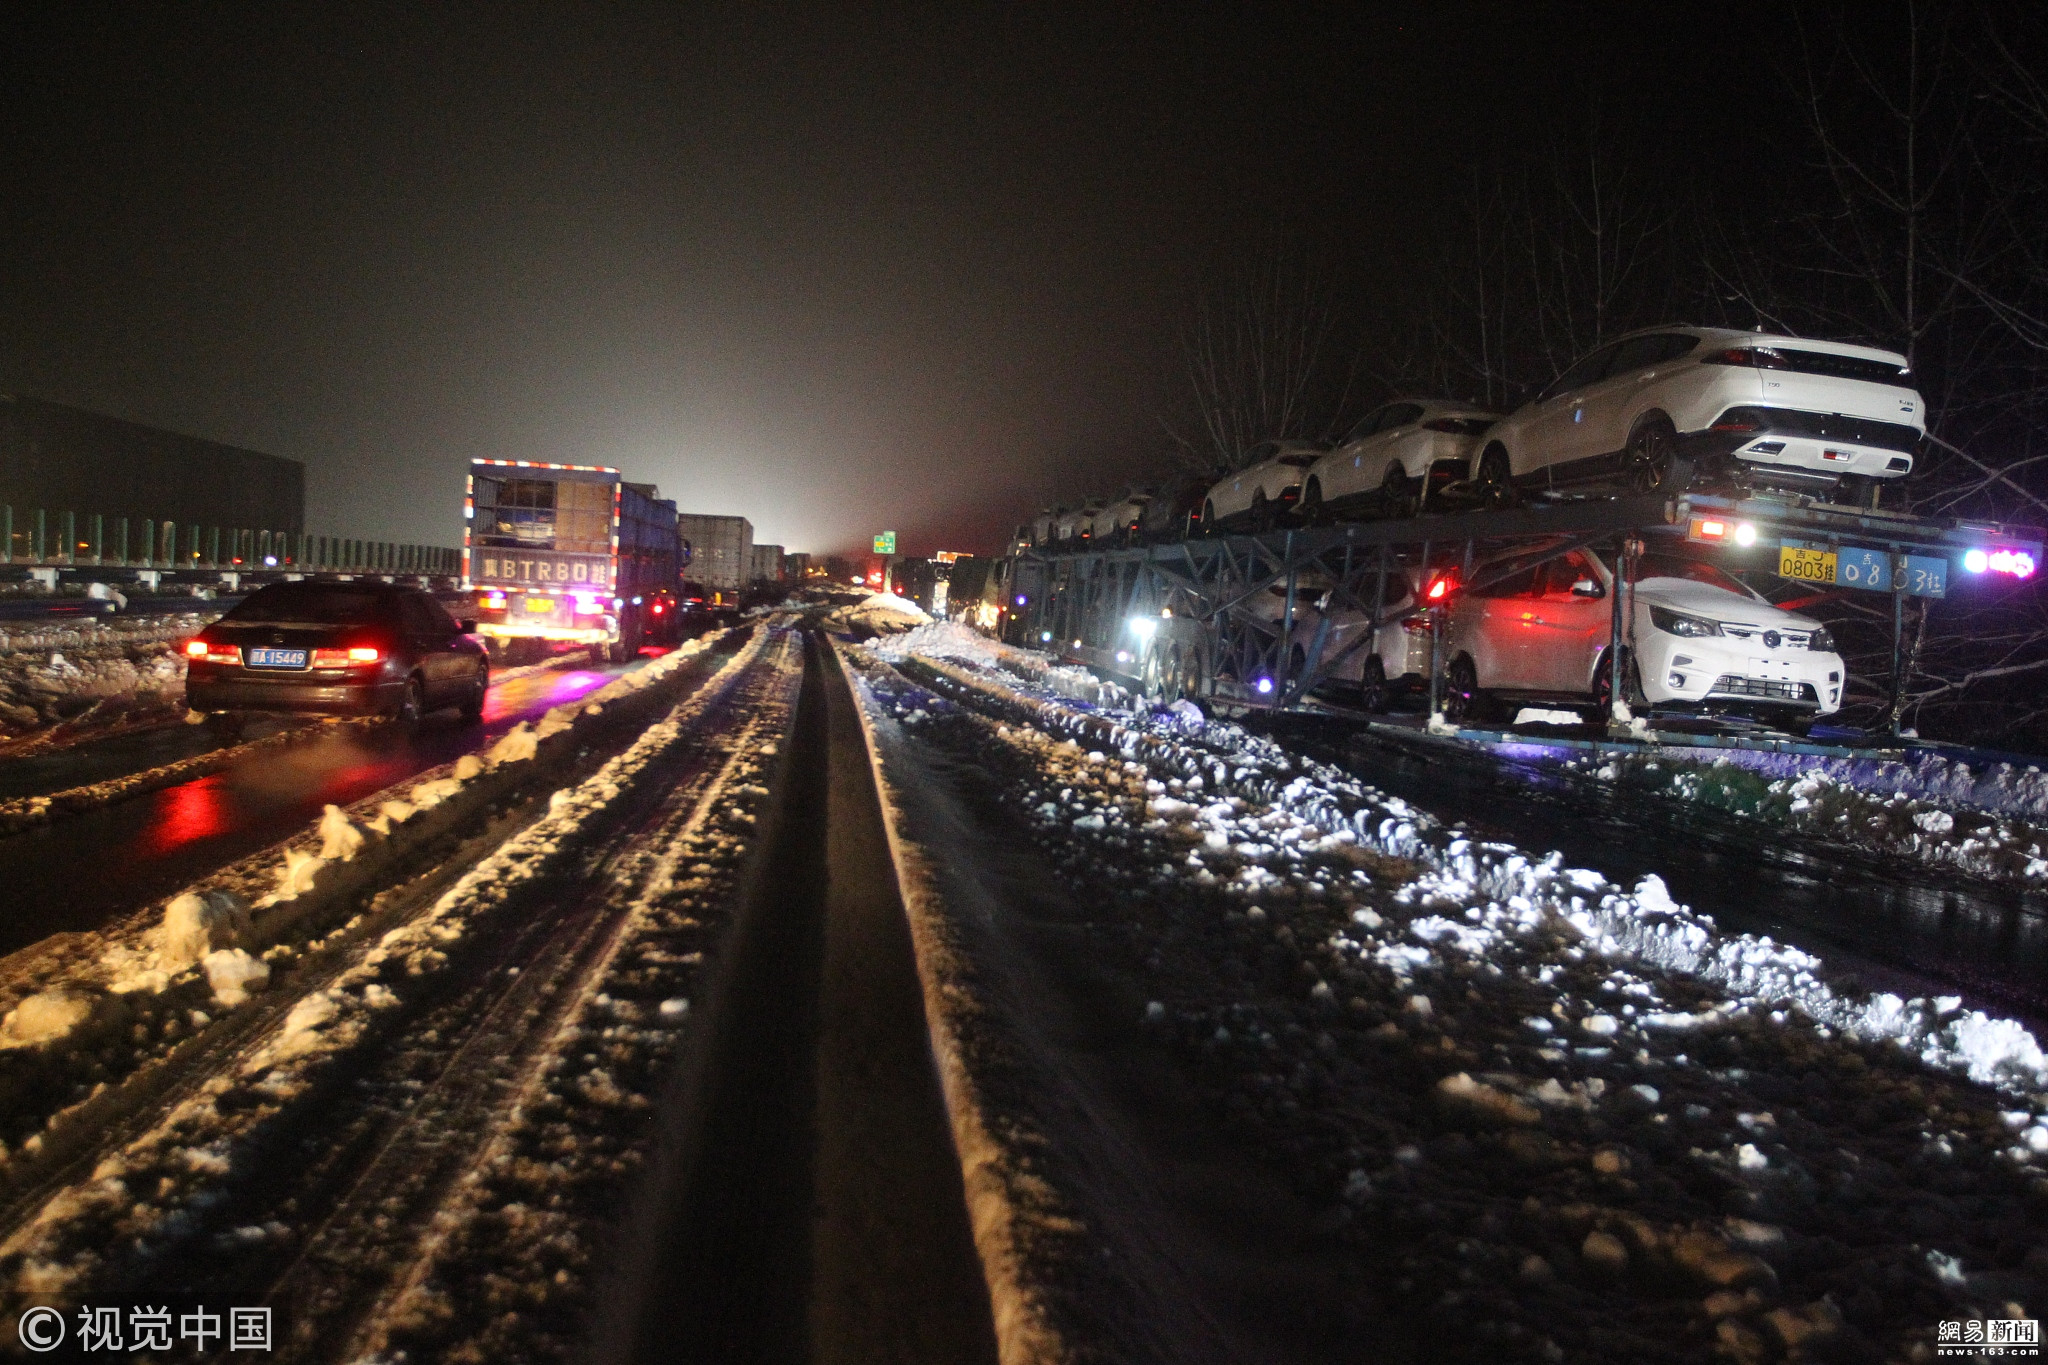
x: 1808, y: 566
x: 277, y: 658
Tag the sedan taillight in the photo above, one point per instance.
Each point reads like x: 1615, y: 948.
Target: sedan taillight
x: 359, y: 656
x: 206, y: 651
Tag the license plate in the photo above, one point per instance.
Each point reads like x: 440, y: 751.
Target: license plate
x: 277, y: 658
x: 1808, y: 566
x: 540, y: 604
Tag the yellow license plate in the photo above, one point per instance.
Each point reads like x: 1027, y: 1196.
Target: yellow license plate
x: 1809, y: 566
x: 548, y: 603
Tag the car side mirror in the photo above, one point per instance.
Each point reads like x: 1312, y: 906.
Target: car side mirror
x: 466, y: 624
x: 1587, y: 587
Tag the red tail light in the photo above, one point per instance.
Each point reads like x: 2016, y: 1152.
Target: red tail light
x: 195, y: 649
x: 1750, y: 357
x: 1439, y: 591
x: 1418, y: 624
x: 359, y: 656
x: 212, y: 653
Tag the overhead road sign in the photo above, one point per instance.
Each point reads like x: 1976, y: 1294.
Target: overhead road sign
x: 885, y: 543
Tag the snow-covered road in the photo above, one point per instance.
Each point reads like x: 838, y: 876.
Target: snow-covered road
x: 1551, y: 1117
x: 345, y: 1145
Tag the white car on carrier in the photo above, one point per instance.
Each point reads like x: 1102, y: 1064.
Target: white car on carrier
x: 1396, y: 458
x: 1738, y: 409
x: 1699, y: 639
x: 1396, y: 660
x: 1267, y: 488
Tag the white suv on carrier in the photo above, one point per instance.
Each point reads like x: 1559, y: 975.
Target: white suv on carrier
x: 1742, y: 409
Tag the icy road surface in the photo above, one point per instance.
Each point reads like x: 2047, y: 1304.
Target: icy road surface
x: 163, y: 840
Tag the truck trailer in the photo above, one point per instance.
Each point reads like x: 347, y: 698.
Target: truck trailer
x: 721, y: 561
x: 561, y: 553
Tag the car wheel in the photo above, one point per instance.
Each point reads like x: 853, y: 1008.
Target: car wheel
x: 1189, y: 682
x: 1372, y: 685
x: 1208, y: 518
x: 1651, y: 454
x: 1297, y: 662
x: 1312, y: 503
x: 473, y: 705
x: 225, y: 725
x: 1496, y: 478
x: 1397, y: 498
x: 412, y: 704
x: 1262, y: 512
x: 1463, y: 701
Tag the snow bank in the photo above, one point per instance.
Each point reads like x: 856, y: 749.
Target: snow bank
x: 1485, y: 893
x: 940, y: 640
x: 1932, y: 810
x: 71, y: 673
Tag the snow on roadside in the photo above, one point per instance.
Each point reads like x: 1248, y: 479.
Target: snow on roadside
x: 52, y: 673
x: 149, y: 1197
x: 1533, y: 1085
x: 144, y: 995
x: 1988, y: 823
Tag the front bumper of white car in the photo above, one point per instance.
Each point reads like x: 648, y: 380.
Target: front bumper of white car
x: 1762, y: 671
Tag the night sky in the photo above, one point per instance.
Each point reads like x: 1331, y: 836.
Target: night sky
x: 834, y: 268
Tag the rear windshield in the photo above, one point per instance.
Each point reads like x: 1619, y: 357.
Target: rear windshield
x: 1843, y: 366
x: 1692, y: 570
x: 327, y: 604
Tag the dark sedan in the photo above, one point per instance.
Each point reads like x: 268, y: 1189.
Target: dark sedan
x: 337, y: 649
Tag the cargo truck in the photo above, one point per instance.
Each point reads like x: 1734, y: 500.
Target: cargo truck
x: 721, y: 562
x: 561, y: 553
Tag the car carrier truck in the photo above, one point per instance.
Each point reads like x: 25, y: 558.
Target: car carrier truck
x: 562, y: 553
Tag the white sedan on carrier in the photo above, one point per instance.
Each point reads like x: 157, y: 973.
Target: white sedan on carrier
x: 1699, y: 639
x: 1748, y: 410
x: 1395, y: 458
x: 1258, y: 495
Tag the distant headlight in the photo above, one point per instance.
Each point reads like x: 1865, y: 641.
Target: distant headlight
x: 1822, y: 641
x: 1677, y: 623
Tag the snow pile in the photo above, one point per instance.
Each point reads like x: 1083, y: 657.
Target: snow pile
x: 1954, y: 822
x: 1501, y: 891
x: 51, y: 674
x: 941, y: 640
x: 45, y: 1017
x: 197, y: 923
x: 232, y: 974
x: 879, y: 613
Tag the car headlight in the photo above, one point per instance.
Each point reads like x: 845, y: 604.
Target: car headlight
x: 1678, y: 623
x: 1821, y: 641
